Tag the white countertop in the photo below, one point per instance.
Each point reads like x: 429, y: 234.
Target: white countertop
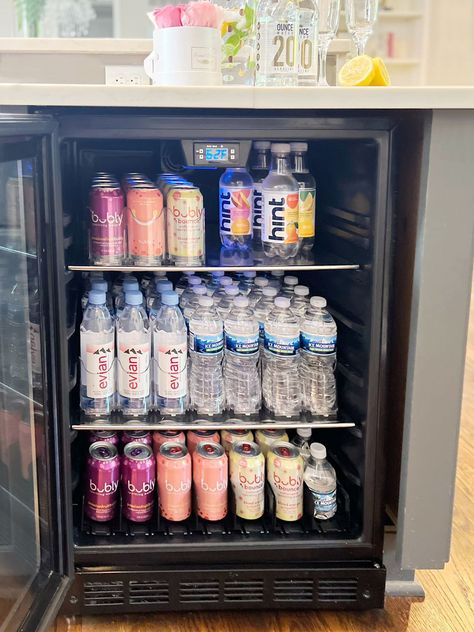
x: 333, y: 98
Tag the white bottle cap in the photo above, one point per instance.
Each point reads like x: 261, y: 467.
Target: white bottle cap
x: 305, y: 433
x: 261, y: 282
x: 269, y: 291
x: 301, y: 290
x: 225, y: 281
x: 299, y: 146
x: 200, y: 290
x: 250, y: 274
x: 241, y: 301
x: 281, y: 148
x: 232, y: 290
x: 290, y: 280
x: 161, y: 273
x: 282, y: 301
x: 318, y: 450
x: 277, y: 273
x: 194, y: 280
x: 318, y: 301
x: 189, y: 274
x: 261, y: 144
x: 206, y: 301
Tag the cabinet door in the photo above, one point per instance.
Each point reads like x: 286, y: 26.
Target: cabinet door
x: 35, y: 559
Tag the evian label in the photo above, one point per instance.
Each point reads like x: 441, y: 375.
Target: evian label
x: 280, y: 217
x: 99, y: 364
x: 133, y: 366
x: 171, y: 367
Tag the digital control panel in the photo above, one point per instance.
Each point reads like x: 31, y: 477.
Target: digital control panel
x: 216, y: 153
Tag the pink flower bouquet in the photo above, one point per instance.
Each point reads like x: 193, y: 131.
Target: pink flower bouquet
x: 199, y: 13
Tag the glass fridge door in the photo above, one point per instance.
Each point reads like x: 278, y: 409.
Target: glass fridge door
x: 34, y: 560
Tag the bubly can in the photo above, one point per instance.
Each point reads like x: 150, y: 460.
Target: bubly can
x: 138, y: 436
x: 285, y: 468
x: 185, y: 225
x: 229, y: 437
x: 145, y: 225
x: 107, y: 225
x: 102, y: 481
x: 110, y: 436
x: 138, y: 482
x: 247, y: 477
x: 265, y: 438
x: 210, y: 477
x: 173, y: 467
x: 194, y: 437
x: 162, y: 436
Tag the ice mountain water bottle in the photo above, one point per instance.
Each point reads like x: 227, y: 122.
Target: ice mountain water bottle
x: 97, y: 356
x: 170, y: 348
x: 262, y: 308
x: 235, y: 208
x: 133, y: 357
x: 321, y: 481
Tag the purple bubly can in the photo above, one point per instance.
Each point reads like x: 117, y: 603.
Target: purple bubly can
x: 102, y: 481
x: 107, y: 225
x: 109, y: 436
x: 138, y: 436
x: 138, y: 482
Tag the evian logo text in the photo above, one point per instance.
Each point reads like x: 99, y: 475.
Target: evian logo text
x: 104, y: 360
x: 173, y: 358
x: 107, y: 488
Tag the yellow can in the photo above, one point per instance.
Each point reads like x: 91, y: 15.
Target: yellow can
x: 229, y: 437
x: 265, y: 438
x: 247, y: 477
x: 285, y: 469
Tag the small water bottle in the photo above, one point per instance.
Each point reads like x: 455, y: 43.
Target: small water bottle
x: 320, y: 478
x: 262, y: 308
x: 224, y: 282
x: 235, y: 207
x: 206, y: 343
x: 161, y: 286
x: 188, y: 292
x: 182, y: 284
x: 97, y: 357
x: 256, y: 292
x: 155, y: 289
x: 103, y: 286
x: 193, y: 302
x: 241, y: 376
x: 170, y: 350
x: 300, y: 300
x: 289, y: 283
x: 129, y: 285
x: 280, y: 379
x: 246, y: 284
x: 318, y: 359
x: 225, y: 303
x: 133, y: 356
x: 214, y: 283
x: 301, y: 440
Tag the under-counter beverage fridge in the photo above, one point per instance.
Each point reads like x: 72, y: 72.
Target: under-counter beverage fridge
x: 204, y: 344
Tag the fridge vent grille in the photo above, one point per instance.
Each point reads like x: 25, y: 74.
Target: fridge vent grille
x: 298, y: 589
x: 199, y: 592
x: 337, y: 590
x: 148, y: 592
x: 103, y: 594
x: 243, y: 590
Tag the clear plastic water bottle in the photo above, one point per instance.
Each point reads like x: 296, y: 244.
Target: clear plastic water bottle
x: 235, y: 207
x: 318, y: 359
x: 241, y: 376
x: 182, y: 284
x: 262, y: 308
x: 129, y: 285
x: 188, y: 292
x: 118, y: 283
x: 97, y: 361
x: 154, y: 299
x: 103, y: 286
x: 300, y: 300
x: 225, y: 303
x: 193, y: 302
x: 224, y: 282
x: 170, y: 353
x: 307, y: 194
x: 280, y: 378
x: 277, y: 28
x: 321, y: 480
x: 289, y: 284
x: 246, y: 284
x: 133, y: 356
x: 259, y: 171
x: 206, y: 344
x: 280, y: 206
x: 214, y: 283
x: 256, y: 291
x: 308, y: 42
x: 301, y: 440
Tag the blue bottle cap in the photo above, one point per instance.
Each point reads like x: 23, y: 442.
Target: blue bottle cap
x: 96, y: 297
x: 163, y: 285
x: 130, y: 285
x: 133, y: 298
x: 100, y: 286
x: 169, y: 298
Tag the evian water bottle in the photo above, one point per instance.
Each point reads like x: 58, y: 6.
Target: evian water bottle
x: 133, y: 355
x: 170, y: 348
x: 97, y: 356
x: 280, y: 194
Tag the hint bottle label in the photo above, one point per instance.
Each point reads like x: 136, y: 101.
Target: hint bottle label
x: 276, y: 48
x: 319, y: 345
x: 241, y: 345
x: 280, y: 217
x: 281, y: 345
x: 307, y: 213
x: 257, y: 206
x: 133, y: 367
x: 206, y: 343
x: 99, y: 365
x: 171, y: 368
x: 235, y: 213
x: 324, y: 502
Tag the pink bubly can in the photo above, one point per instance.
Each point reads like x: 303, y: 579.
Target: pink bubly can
x: 138, y: 482
x: 162, y: 436
x: 194, y: 437
x: 210, y: 477
x: 102, y: 481
x: 173, y: 468
x: 145, y: 225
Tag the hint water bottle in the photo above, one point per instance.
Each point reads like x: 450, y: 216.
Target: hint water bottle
x: 280, y: 206
x: 170, y: 349
x: 241, y: 376
x: 308, y: 42
x: 193, y: 302
x: 256, y: 291
x: 97, y: 356
x: 301, y: 440
x: 280, y: 379
x: 318, y: 359
x: 300, y: 300
x: 307, y: 194
x: 188, y: 292
x: 246, y: 284
x: 133, y: 356
x: 206, y: 343
x: 262, y: 308
x: 289, y: 284
x: 259, y: 171
x: 235, y: 207
x: 225, y: 304
x: 321, y: 480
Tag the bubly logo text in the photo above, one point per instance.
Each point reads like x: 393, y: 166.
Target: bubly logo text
x: 113, y: 219
x: 183, y: 487
x: 107, y: 488
x: 146, y: 488
x: 292, y: 482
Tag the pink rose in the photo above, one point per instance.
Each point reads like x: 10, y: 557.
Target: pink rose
x: 167, y: 16
x: 202, y: 14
